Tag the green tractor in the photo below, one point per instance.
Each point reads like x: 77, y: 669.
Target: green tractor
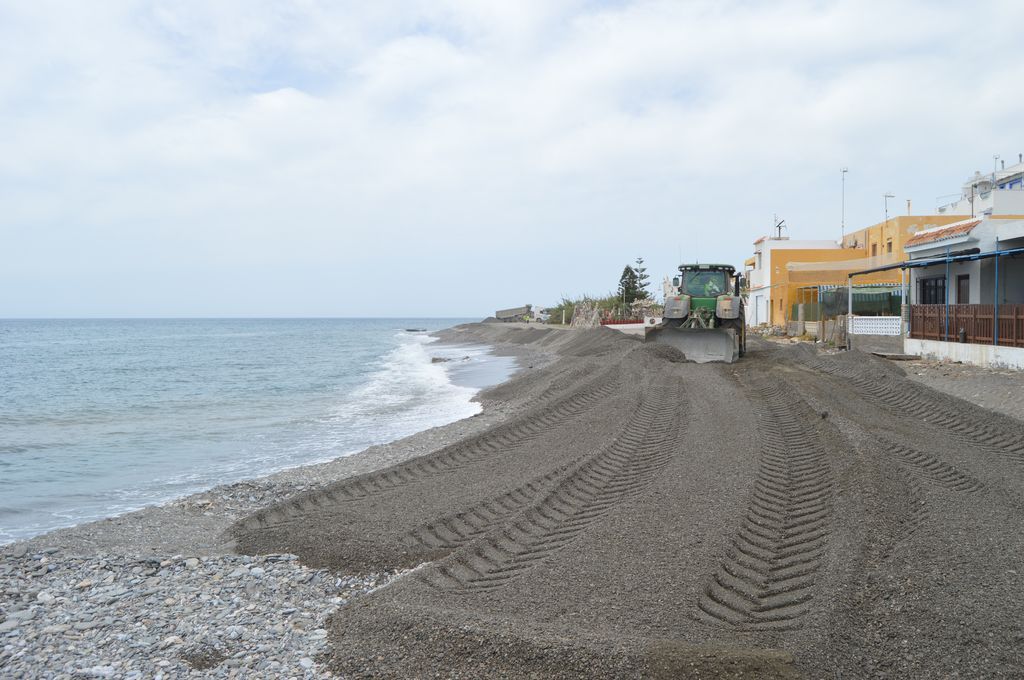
x: 704, y: 318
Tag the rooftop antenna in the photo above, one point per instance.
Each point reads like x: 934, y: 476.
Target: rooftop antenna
x: 779, y: 226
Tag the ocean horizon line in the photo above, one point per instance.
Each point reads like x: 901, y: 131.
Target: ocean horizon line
x: 233, y: 318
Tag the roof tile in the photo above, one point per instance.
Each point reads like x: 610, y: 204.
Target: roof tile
x: 941, y: 234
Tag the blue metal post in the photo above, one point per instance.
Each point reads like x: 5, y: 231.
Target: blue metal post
x: 947, y: 294
x: 995, y: 296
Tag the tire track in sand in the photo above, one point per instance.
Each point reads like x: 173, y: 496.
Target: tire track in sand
x: 466, y: 525
x: 501, y: 439
x: 767, y: 579
x: 908, y: 397
x: 933, y: 469
x: 918, y: 515
x: 621, y: 471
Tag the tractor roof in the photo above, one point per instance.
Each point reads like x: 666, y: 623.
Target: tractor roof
x: 710, y: 267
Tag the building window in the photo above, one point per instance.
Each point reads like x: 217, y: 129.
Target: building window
x: 933, y: 291
x: 888, y: 246
x: 874, y: 250
x: 963, y: 289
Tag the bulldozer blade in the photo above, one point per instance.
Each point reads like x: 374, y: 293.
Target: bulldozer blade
x: 699, y: 345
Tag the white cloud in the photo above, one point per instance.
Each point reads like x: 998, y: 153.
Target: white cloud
x: 299, y: 148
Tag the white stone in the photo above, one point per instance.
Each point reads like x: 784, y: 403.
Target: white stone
x: 171, y: 640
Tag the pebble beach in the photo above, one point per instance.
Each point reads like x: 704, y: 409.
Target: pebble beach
x: 108, y: 616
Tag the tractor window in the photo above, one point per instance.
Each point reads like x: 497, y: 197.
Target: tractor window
x: 704, y: 284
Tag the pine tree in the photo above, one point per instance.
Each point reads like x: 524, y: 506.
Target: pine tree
x: 642, y: 280
x: 627, y: 285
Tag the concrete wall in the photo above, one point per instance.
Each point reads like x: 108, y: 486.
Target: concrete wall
x: 988, y: 356
x: 891, y: 344
x: 832, y: 330
x: 1011, y: 280
x: 635, y: 328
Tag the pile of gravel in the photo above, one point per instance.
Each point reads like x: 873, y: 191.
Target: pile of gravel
x: 112, y: 616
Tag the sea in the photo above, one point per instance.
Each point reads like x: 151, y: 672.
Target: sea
x: 102, y: 417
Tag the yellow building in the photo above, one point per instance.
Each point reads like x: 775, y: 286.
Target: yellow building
x: 883, y: 242
x: 796, y: 274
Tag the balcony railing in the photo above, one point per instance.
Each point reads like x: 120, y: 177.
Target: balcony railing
x: 928, y: 322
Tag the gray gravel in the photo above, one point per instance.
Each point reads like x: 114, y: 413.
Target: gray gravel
x: 791, y: 514
x: 110, y: 616
x: 1000, y: 390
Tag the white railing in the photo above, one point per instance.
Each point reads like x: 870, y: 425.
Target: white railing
x: 874, y: 325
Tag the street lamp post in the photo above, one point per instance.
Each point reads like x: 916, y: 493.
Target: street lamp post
x: 885, y: 229
x: 842, y: 225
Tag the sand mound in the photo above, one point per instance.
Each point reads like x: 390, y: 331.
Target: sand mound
x: 665, y: 353
x: 595, y: 342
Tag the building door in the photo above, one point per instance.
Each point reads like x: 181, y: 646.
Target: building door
x: 963, y: 289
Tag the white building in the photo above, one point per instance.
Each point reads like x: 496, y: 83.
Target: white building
x: 1000, y: 192
x: 968, y: 281
x: 758, y: 271
x: 969, y: 274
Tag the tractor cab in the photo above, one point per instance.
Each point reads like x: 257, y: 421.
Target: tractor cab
x: 705, y: 280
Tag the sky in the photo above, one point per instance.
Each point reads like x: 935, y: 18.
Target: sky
x: 306, y: 158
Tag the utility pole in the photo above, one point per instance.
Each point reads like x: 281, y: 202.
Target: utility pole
x: 842, y: 225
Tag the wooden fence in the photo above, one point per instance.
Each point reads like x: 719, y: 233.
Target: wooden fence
x: 928, y: 322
